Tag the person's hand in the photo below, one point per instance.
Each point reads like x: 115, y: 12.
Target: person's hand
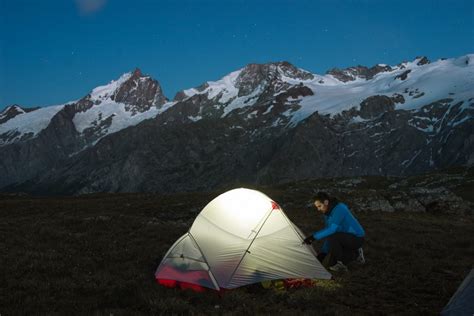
x: 308, y: 240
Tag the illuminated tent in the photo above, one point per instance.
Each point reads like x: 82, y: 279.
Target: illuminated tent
x: 241, y: 237
x: 462, y: 302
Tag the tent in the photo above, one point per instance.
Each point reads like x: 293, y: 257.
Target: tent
x: 241, y: 237
x: 462, y: 302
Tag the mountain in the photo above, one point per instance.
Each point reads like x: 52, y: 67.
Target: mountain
x: 37, y: 142
x: 265, y: 123
x: 106, y: 109
x: 13, y: 110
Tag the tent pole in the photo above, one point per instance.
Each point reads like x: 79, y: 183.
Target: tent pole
x: 247, y: 250
x: 205, y: 261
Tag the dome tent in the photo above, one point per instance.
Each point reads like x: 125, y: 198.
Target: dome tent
x: 241, y: 237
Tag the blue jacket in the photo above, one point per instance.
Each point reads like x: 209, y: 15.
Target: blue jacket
x: 339, y: 220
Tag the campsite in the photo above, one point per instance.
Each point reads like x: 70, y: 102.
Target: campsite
x: 236, y: 157
x: 97, y: 254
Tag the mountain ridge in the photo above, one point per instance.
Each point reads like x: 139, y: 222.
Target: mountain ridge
x: 263, y: 123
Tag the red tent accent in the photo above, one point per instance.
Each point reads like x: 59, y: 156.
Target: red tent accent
x: 275, y: 206
x: 168, y: 276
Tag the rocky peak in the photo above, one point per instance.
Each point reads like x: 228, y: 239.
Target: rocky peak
x: 139, y: 92
x: 419, y: 61
x: 13, y: 110
x: 254, y: 75
x: 137, y: 73
x: 270, y: 77
x: 292, y: 72
x: 136, y: 90
x: 13, y: 107
x: 181, y: 95
x: 352, y: 73
x: 422, y: 60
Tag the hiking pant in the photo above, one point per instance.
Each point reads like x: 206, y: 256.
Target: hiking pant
x: 343, y: 247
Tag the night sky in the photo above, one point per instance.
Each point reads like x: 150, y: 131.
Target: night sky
x: 54, y: 51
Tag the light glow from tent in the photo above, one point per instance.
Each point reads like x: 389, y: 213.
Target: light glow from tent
x: 238, y: 211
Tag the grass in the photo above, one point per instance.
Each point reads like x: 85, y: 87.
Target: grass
x: 97, y: 254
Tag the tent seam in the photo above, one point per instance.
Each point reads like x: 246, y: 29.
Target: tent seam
x: 247, y: 250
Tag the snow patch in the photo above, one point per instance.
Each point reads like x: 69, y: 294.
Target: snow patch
x: 103, y: 93
x: 226, y: 86
x: 242, y: 101
x: 195, y: 118
x: 29, y: 122
x: 120, y: 117
x: 358, y: 119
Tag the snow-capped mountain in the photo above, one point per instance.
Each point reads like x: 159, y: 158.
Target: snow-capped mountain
x: 105, y: 110
x: 411, y: 84
x: 12, y: 111
x: 17, y: 124
x: 263, y: 123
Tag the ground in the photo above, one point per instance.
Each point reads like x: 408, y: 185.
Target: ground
x: 97, y: 254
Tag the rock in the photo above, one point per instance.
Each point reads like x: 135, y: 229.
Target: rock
x: 376, y: 105
x: 254, y: 75
x: 380, y: 205
x: 352, y: 73
x: 13, y: 110
x: 441, y: 200
x: 404, y: 75
x: 139, y: 93
x: 403, y: 202
x: 351, y: 182
x: 422, y: 61
x: 398, y: 98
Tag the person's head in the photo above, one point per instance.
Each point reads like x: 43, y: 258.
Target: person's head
x: 321, y: 202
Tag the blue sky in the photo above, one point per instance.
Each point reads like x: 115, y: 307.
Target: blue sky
x: 54, y: 51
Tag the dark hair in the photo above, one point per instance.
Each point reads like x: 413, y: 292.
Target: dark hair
x: 321, y: 196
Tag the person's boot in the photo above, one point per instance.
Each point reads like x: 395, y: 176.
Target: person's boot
x: 339, y: 266
x: 360, y: 256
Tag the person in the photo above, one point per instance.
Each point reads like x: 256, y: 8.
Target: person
x: 343, y: 235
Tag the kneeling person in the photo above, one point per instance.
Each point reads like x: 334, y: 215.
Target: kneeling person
x: 343, y: 235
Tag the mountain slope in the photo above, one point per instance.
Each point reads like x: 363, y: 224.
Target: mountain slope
x: 261, y: 124
x: 37, y: 142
